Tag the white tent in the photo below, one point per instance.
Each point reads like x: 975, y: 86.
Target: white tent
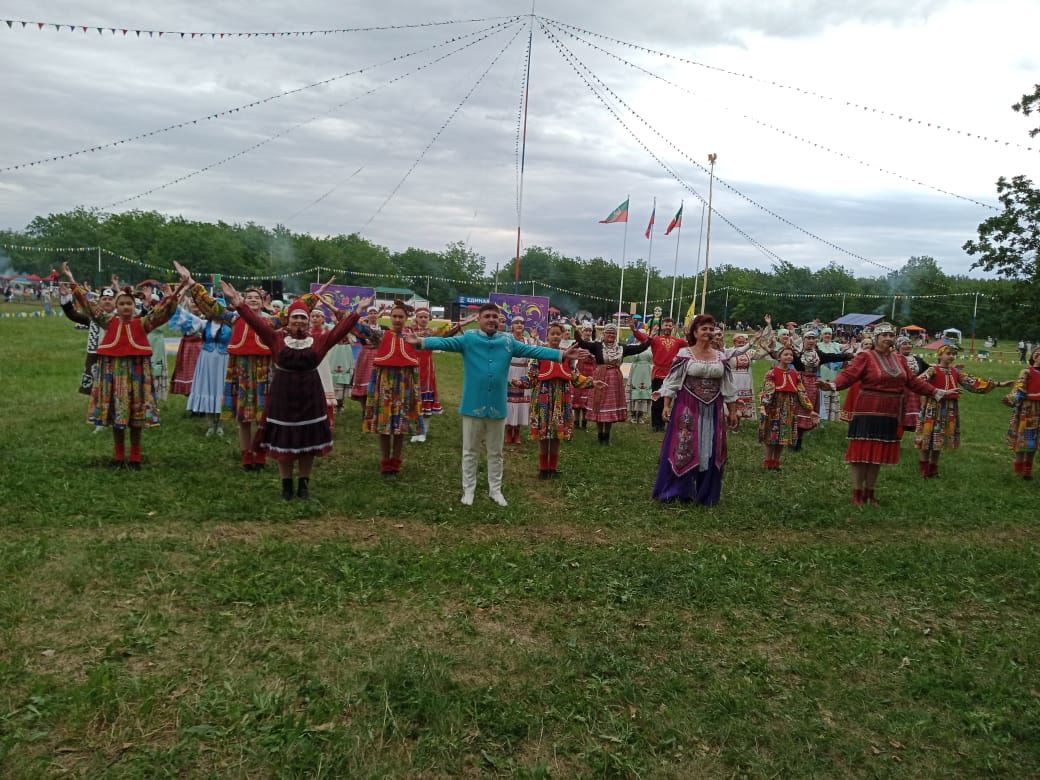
x: 952, y: 334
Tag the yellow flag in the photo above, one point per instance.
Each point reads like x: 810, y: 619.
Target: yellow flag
x: 690, y: 314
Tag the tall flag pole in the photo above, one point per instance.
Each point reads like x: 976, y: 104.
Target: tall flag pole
x: 707, y: 239
x: 697, y: 271
x: 650, y: 253
x: 523, y: 153
x: 620, y: 214
x: 675, y: 223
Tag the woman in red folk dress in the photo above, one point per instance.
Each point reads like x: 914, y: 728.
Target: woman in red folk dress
x: 296, y: 428
x: 394, y: 406
x: 581, y: 396
x: 876, y: 426
x: 431, y: 402
x: 917, y: 366
x: 552, y: 416
x: 939, y: 426
x: 122, y: 395
x: 782, y: 401
x: 1024, y: 429
x: 363, y: 364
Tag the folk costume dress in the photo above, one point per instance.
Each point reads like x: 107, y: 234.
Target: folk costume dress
x: 82, y: 317
x: 876, y: 424
x: 828, y: 402
x: 123, y: 395
x: 607, y: 404
x: 363, y: 364
x: 785, y: 400
x: 580, y: 395
x: 296, y: 422
x: 341, y: 360
x: 160, y: 377
x: 1024, y: 427
x: 640, y: 378
x: 188, y: 351
x: 552, y: 412
x: 740, y: 366
x: 394, y: 404
x: 694, y: 449
x: 518, y: 399
x: 810, y: 364
x: 207, y: 384
x: 249, y: 358
x: 912, y: 402
x: 939, y: 423
x: 431, y: 401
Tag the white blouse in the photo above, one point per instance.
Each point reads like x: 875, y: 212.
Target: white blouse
x: 713, y: 369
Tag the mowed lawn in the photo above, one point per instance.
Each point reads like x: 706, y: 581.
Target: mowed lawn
x: 184, y: 621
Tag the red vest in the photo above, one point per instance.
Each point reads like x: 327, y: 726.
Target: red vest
x: 1033, y: 385
x: 550, y: 369
x: 244, y: 340
x: 784, y: 381
x: 945, y: 381
x: 124, y: 339
x: 394, y: 351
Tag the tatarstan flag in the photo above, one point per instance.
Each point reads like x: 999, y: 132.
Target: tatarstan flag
x: 676, y: 222
x: 649, y: 227
x: 620, y: 214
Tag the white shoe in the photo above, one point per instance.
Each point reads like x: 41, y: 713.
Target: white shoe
x: 419, y: 439
x: 98, y: 428
x: 499, y: 499
x: 467, y: 499
x: 209, y: 431
x: 220, y: 430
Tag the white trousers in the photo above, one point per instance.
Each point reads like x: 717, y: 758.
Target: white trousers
x: 475, y: 431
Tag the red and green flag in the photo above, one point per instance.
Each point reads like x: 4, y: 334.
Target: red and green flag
x: 650, y: 226
x: 620, y: 214
x: 676, y: 222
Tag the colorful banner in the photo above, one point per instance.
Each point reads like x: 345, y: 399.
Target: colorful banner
x: 533, y: 308
x: 344, y: 296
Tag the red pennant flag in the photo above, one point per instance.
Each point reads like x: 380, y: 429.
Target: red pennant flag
x: 651, y: 225
x: 620, y: 214
x: 676, y: 221
x: 39, y: 25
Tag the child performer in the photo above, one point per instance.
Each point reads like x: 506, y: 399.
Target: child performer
x: 393, y: 407
x: 912, y: 401
x: 363, y: 365
x: 296, y: 428
x: 939, y: 424
x: 552, y: 418
x: 782, y: 393
x: 518, y: 397
x: 122, y: 396
x: 431, y: 402
x: 581, y: 396
x: 1024, y: 428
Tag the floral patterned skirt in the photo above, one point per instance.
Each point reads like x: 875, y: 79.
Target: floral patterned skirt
x: 552, y: 416
x: 938, y: 426
x: 777, y: 426
x: 123, y: 395
x: 394, y: 403
x: 1024, y: 428
x: 246, y: 385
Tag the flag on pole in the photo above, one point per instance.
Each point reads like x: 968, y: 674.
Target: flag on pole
x: 676, y: 221
x: 651, y: 225
x: 690, y: 314
x: 620, y: 214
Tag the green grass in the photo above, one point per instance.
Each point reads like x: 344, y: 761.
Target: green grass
x: 183, y: 621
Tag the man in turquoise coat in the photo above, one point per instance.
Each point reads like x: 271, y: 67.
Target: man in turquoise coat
x: 486, y: 353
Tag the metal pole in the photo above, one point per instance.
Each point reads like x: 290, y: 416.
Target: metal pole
x: 99, y: 259
x: 624, y: 252
x: 725, y: 310
x: 523, y: 150
x: 697, y: 272
x: 496, y: 277
x: 974, y: 314
x: 707, y: 240
x: 843, y: 304
x: 675, y: 268
x: 893, y: 318
x: 649, y: 254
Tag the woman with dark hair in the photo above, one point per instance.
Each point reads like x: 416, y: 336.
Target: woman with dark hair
x: 607, y: 404
x: 876, y: 425
x: 394, y: 403
x: 699, y: 405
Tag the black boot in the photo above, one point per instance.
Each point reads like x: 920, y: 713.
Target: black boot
x: 303, y: 488
x: 287, y: 492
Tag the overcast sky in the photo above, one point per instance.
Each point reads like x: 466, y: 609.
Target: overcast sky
x: 958, y: 64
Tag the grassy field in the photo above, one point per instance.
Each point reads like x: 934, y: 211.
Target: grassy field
x: 184, y: 621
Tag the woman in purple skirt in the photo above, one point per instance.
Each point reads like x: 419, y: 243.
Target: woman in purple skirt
x: 699, y: 405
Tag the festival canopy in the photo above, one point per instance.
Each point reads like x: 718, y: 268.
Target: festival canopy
x: 856, y: 320
x: 914, y: 328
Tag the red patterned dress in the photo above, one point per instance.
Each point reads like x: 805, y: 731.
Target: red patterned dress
x: 876, y: 423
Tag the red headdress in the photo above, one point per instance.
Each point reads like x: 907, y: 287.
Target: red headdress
x: 297, y: 306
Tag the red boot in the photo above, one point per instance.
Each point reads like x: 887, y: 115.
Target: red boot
x: 933, y: 469
x: 1027, y: 470
x: 922, y: 468
x: 1018, y: 467
x: 384, y: 465
x: 857, y: 497
x: 247, y: 460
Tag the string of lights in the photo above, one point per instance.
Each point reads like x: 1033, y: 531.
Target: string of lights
x: 441, y: 129
x: 243, y: 107
x: 808, y: 92
x: 769, y: 126
x: 242, y: 152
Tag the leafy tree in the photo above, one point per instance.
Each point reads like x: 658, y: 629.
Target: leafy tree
x: 1029, y: 103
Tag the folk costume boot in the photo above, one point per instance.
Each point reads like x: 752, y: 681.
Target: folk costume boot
x: 933, y: 469
x: 543, y: 465
x: 1018, y: 466
x: 870, y: 498
x: 247, y: 460
x: 384, y: 466
x: 287, y: 489
x: 303, y: 488
x: 259, y: 460
x: 922, y: 467
x: 554, y: 461
x: 395, y: 465
x: 134, y: 463
x: 857, y: 497
x: 1027, y: 470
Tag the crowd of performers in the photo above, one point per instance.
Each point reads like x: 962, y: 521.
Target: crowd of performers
x: 282, y: 374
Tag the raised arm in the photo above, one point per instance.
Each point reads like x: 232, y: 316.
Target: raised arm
x: 69, y: 307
